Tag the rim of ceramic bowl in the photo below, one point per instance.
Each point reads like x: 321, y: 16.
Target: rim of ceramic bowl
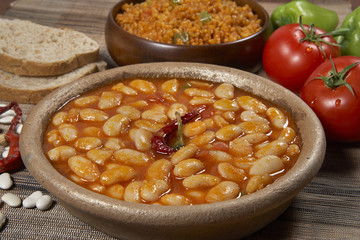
x: 272, y: 196
x: 116, y: 9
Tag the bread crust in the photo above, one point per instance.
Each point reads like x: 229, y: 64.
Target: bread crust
x: 29, y: 94
x: 24, y: 66
x: 39, y: 69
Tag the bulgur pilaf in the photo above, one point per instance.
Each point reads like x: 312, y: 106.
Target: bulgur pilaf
x: 189, y: 22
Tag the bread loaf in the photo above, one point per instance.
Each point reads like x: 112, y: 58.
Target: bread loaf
x: 30, y: 49
x: 24, y: 89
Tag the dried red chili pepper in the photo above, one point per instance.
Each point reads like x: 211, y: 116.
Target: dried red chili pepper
x: 13, y: 160
x: 158, y: 142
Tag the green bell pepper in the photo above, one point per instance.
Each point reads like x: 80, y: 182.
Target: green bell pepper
x: 350, y: 41
x: 290, y: 12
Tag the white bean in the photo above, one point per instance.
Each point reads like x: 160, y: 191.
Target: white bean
x: 276, y: 147
x: 228, y: 133
x: 116, y: 125
x: 220, y: 156
x: 9, y: 112
x: 5, y: 153
x: 225, y: 90
x: 30, y: 201
x: 44, y: 202
x: 152, y: 190
x: 188, y: 167
x: 6, y: 119
x: 176, y: 107
x: 266, y: 165
x: 11, y: 199
x: 132, y: 157
x: 132, y: 192
x: 142, y: 139
x: 226, y: 105
x: 186, y: 152
x: 5, y: 181
x: 202, y: 180
x: 251, y: 116
x: 277, y: 118
x: 18, y: 128
x: 225, y: 190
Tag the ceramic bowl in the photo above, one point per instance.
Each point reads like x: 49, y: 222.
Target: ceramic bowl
x: 245, y: 54
x: 223, y: 220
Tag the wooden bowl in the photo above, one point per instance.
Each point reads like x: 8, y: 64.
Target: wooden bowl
x: 222, y: 220
x: 245, y: 54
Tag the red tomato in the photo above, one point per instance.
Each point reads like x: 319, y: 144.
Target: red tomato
x: 289, y: 61
x: 337, y: 108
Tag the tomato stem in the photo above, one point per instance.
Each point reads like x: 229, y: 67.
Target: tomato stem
x: 310, y: 35
x: 336, y: 79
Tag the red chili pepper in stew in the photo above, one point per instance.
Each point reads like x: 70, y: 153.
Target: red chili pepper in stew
x: 158, y: 142
x: 13, y: 160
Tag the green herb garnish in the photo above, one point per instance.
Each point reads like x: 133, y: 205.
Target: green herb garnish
x: 180, y: 136
x: 185, y: 86
x: 184, y: 37
x: 175, y: 2
x: 205, y: 17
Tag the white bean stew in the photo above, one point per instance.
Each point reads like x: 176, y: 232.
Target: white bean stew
x: 171, y: 141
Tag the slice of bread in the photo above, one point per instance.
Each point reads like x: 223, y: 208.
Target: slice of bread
x: 30, y: 49
x: 31, y: 90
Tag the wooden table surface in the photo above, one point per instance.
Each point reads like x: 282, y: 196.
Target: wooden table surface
x: 328, y: 208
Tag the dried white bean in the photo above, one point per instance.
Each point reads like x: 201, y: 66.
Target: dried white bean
x: 6, y: 119
x: 11, y: 199
x: 9, y: 112
x: 44, y: 202
x: 5, y: 181
x: 5, y: 153
x: 18, y: 128
x: 30, y: 201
